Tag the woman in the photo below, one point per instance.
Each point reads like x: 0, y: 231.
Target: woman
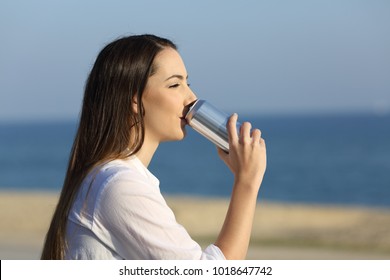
x: 136, y: 97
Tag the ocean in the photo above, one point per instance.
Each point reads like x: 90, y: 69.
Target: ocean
x: 326, y: 159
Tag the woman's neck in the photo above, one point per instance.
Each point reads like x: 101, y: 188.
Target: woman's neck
x: 145, y: 154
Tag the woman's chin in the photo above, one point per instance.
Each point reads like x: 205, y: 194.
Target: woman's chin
x: 182, y: 135
x: 176, y: 137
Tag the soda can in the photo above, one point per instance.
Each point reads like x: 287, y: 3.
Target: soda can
x: 210, y: 122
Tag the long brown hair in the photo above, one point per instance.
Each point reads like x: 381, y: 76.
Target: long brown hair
x: 109, y: 126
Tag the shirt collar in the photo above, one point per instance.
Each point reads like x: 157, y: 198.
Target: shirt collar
x: 136, y: 163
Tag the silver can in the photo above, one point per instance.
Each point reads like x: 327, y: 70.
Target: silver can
x: 210, y: 122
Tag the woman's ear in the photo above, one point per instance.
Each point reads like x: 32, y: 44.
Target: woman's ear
x: 134, y: 103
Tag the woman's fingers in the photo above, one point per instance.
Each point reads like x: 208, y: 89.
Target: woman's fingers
x: 247, y: 156
x: 232, y: 129
x: 245, y: 133
x: 256, y: 136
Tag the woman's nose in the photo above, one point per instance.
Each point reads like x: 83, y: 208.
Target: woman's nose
x: 191, y: 97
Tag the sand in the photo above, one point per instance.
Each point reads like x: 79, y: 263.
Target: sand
x: 280, y: 231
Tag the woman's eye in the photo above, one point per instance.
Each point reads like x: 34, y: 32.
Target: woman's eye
x: 177, y: 85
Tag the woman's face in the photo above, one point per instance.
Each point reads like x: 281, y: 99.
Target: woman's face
x: 165, y: 98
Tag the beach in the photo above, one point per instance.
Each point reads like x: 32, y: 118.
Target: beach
x: 280, y: 230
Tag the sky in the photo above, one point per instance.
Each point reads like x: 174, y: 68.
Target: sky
x: 250, y: 57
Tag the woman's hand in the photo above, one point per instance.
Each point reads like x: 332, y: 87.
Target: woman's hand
x: 247, y: 154
x: 247, y: 160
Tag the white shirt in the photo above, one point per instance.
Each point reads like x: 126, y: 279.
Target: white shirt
x: 119, y: 213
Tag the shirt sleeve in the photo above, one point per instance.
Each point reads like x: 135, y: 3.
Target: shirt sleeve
x: 132, y: 218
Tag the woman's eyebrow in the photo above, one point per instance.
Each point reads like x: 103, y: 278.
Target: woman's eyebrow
x: 177, y: 76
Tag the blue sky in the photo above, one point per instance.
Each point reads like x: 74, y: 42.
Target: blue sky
x: 264, y: 57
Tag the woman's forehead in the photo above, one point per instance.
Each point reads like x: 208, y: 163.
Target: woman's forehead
x: 168, y: 63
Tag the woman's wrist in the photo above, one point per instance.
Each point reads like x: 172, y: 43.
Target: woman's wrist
x: 242, y: 184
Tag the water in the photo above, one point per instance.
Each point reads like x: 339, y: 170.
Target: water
x: 311, y: 159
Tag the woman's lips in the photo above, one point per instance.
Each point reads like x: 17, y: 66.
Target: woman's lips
x: 183, y: 119
x: 187, y: 109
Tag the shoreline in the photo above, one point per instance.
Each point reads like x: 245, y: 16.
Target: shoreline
x: 280, y: 230
x: 56, y: 192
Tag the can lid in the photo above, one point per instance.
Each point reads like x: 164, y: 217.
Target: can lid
x: 194, y: 107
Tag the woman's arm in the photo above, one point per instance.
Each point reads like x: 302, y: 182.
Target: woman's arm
x: 247, y: 160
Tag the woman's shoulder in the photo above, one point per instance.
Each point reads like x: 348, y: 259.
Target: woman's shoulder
x: 123, y: 175
x: 109, y: 183
x: 112, y: 170
x: 120, y: 181
x: 126, y: 169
